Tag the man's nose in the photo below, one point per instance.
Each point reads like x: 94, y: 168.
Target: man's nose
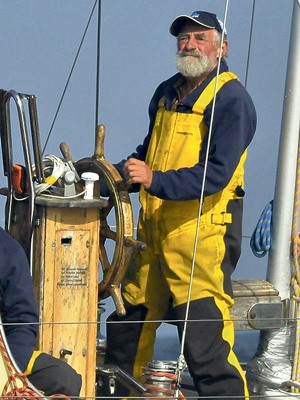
x: 191, y: 44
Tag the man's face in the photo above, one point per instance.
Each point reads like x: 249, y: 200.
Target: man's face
x: 196, y: 37
x: 198, y: 51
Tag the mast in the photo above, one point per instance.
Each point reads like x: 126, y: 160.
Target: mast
x: 280, y: 256
x: 273, y: 361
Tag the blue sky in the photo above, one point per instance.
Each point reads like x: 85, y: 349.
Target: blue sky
x: 39, y: 41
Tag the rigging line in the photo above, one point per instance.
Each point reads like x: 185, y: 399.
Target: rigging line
x: 69, y: 77
x: 201, y: 199
x: 153, y: 321
x: 98, y: 67
x: 250, y: 43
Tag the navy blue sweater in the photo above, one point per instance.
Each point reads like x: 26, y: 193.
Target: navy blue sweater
x: 17, y: 300
x: 234, y: 125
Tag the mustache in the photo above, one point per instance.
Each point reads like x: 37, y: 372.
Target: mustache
x: 193, y: 53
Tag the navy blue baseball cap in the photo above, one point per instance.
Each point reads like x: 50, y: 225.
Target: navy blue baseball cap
x: 203, y: 18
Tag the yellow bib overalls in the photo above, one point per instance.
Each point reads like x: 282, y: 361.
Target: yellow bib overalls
x: 168, y: 228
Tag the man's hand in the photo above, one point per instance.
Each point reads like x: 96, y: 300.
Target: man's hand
x: 137, y: 171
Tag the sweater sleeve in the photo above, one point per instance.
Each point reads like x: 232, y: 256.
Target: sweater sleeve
x: 17, y: 301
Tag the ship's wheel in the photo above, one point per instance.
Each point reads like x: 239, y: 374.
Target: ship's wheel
x: 116, y: 238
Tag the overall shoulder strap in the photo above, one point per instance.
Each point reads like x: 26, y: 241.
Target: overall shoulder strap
x: 207, y: 95
x: 162, y: 102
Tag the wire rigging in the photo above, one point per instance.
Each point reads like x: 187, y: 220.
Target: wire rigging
x: 250, y: 43
x: 180, y: 361
x: 69, y: 77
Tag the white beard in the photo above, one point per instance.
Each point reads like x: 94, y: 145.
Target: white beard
x: 193, y: 66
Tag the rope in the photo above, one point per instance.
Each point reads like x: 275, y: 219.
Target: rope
x: 57, y: 166
x: 296, y: 277
x: 23, y: 392
x: 260, y: 242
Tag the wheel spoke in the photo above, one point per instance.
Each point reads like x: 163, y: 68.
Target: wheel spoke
x: 104, y: 259
x: 108, y: 233
x: 106, y: 210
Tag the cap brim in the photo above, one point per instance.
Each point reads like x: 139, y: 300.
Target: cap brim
x: 178, y: 21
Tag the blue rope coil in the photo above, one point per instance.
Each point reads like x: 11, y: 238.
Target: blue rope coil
x: 260, y: 242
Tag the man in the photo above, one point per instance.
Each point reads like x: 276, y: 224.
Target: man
x: 19, y: 315
x: 171, y: 169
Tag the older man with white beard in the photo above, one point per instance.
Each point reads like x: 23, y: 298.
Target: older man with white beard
x: 195, y: 149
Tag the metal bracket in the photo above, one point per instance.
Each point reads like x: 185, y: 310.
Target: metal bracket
x: 113, y: 372
x: 265, y: 315
x: 112, y: 385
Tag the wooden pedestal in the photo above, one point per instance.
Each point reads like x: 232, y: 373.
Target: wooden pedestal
x: 65, y: 273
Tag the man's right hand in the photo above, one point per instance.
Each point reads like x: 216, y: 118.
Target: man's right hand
x: 137, y: 171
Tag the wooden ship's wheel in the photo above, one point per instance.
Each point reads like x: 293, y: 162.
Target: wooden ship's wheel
x: 118, y: 204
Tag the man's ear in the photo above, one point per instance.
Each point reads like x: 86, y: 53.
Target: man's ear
x: 224, y: 49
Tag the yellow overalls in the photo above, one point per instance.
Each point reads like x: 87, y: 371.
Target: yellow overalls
x: 169, y: 228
